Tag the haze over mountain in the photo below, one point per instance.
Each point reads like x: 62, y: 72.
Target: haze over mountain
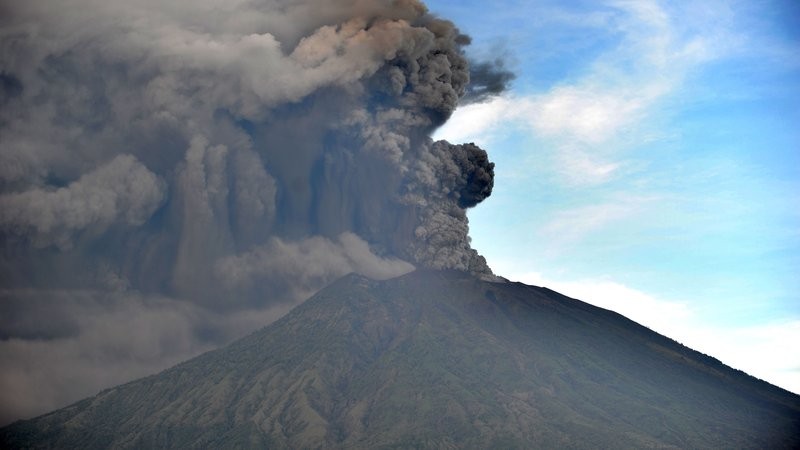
x: 434, y: 360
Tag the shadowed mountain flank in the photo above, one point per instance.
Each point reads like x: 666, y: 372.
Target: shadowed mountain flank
x: 434, y: 359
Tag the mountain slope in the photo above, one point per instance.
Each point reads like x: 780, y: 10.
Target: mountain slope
x: 434, y: 359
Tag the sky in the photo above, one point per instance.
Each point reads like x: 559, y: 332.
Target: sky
x: 648, y: 161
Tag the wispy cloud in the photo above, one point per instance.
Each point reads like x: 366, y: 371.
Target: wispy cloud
x: 570, y: 227
x: 589, y: 121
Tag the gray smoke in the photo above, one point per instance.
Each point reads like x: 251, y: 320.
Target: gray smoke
x: 175, y: 174
x: 487, y: 79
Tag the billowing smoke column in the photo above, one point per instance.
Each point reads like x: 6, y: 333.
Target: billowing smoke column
x: 174, y: 174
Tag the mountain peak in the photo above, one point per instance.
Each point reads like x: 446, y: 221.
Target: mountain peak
x: 434, y: 359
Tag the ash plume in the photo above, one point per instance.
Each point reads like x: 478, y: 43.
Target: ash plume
x: 487, y: 79
x: 189, y: 170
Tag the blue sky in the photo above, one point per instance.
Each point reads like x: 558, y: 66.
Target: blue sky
x: 648, y: 161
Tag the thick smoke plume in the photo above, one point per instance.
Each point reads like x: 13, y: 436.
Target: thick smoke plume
x: 175, y: 174
x: 487, y: 79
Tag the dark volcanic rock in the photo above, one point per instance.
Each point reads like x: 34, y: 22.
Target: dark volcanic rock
x: 434, y: 360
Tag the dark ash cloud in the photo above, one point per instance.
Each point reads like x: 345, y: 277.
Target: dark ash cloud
x: 487, y: 79
x: 173, y: 174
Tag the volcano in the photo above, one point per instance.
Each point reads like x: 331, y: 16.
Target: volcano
x: 434, y: 359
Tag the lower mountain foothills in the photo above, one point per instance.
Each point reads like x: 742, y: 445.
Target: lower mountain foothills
x: 434, y: 359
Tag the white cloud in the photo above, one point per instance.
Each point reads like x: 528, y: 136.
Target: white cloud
x: 572, y: 226
x: 581, y: 167
x: 477, y: 122
x: 768, y: 350
x: 590, y: 113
